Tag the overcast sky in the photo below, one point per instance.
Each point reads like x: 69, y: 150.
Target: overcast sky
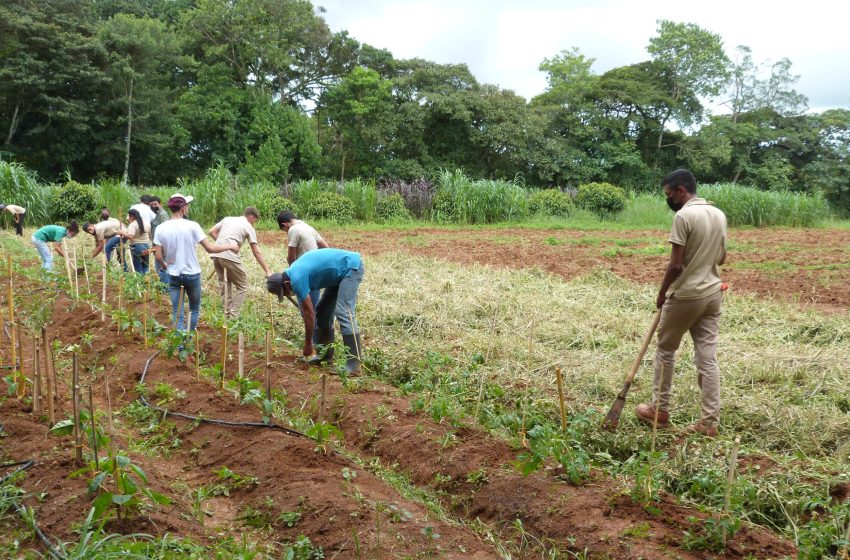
x: 503, y: 42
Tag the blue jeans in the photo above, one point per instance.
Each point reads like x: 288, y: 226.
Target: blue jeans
x: 340, y: 301
x: 140, y: 263
x: 44, y: 252
x: 110, y: 245
x: 192, y: 286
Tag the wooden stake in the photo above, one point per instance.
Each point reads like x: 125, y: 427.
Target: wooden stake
x: 108, y: 404
x: 268, y: 366
x: 561, y: 398
x: 120, y: 294
x: 241, y: 347
x: 730, y: 478
x: 13, y: 333
x: 22, y: 388
x: 67, y: 264
x: 93, y: 427
x: 36, y: 379
x: 103, y: 287
x: 322, y: 402
x: 198, y: 353
x: 132, y: 264
x: 223, y: 354
x: 86, y: 271
x: 48, y: 376
x: 145, y: 314
x: 271, y: 314
x: 75, y: 403
x: 224, y: 300
x: 76, y: 275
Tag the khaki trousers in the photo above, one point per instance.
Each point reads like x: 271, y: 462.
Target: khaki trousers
x: 700, y: 317
x: 237, y: 285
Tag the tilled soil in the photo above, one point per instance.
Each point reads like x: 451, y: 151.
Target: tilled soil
x: 349, y: 515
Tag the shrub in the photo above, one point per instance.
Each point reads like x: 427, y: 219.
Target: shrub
x: 550, y: 202
x: 278, y: 204
x: 391, y: 208
x: 74, y: 201
x: 418, y: 194
x: 331, y: 206
x: 603, y: 199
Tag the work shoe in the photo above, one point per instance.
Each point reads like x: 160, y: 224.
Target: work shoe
x: 323, y: 341
x: 704, y: 428
x: 353, y: 348
x: 646, y: 414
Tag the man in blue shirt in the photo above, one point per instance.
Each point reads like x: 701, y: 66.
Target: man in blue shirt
x: 339, y: 273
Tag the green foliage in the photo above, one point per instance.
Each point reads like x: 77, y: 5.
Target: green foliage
x: 713, y: 536
x: 460, y: 199
x: 550, y: 202
x: 364, y: 196
x: 746, y: 206
x: 603, y: 199
x: 75, y: 201
x: 117, y: 196
x: 333, y: 207
x: 391, y: 208
x: 19, y: 185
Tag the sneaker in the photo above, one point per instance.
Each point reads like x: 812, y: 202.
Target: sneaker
x: 704, y: 428
x: 646, y: 414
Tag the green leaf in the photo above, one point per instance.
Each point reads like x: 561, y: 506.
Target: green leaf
x: 63, y: 427
x: 101, y: 503
x: 97, y: 481
x: 121, y: 499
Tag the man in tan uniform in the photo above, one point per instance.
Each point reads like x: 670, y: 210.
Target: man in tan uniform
x: 17, y: 213
x: 690, y: 299
x: 105, y: 234
x: 237, y: 229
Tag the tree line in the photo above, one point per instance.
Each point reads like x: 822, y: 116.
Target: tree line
x: 155, y: 90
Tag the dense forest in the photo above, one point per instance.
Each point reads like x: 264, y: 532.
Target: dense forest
x: 154, y: 90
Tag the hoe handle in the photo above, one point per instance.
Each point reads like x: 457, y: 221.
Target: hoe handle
x: 647, y: 338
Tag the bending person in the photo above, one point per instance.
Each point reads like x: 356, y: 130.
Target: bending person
x: 17, y: 213
x: 339, y: 273
x: 176, y: 239
x: 52, y: 234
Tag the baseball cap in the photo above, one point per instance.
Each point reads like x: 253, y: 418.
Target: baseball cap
x: 274, y: 284
x: 178, y: 200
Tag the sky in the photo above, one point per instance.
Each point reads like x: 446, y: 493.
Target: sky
x: 503, y: 42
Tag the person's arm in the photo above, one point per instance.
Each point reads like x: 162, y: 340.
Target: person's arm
x: 674, y: 269
x: 59, y: 249
x: 99, y: 245
x: 211, y: 248
x: 159, y: 257
x: 255, y: 248
x: 213, y: 232
x: 322, y: 244
x: 308, y: 313
x: 291, y: 255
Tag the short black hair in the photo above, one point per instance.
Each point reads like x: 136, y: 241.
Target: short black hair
x: 154, y: 198
x: 680, y: 178
x: 285, y: 216
x: 145, y: 199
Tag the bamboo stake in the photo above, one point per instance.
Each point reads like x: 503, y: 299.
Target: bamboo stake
x: 93, y: 427
x: 241, y: 344
x: 198, y: 353
x: 132, y: 264
x: 108, y: 404
x: 36, y: 379
x: 322, y: 402
x: 48, y: 376
x: 12, y: 331
x: 103, y: 287
x: 22, y: 388
x: 75, y: 403
x: 271, y: 314
x: 120, y: 293
x: 224, y: 333
x: 86, y: 271
x: 730, y: 479
x: 76, y: 275
x: 268, y: 366
x: 525, y: 398
x: 561, y: 398
x: 67, y: 264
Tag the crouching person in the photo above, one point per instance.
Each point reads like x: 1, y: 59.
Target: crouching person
x: 339, y: 273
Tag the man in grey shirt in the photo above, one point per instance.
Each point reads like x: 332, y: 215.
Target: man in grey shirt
x: 161, y: 217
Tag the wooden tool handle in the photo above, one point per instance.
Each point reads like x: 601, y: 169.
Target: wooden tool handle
x: 647, y: 338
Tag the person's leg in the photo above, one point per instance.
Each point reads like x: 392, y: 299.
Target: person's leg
x: 174, y: 285
x: 109, y: 246
x: 192, y: 283
x: 44, y: 252
x: 140, y: 262
x: 704, y: 334
x: 19, y: 225
x: 238, y: 279
x: 218, y: 266
x: 345, y: 315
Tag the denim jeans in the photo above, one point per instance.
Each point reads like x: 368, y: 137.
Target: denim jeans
x: 140, y: 263
x: 110, y: 245
x: 44, y: 252
x: 340, y: 301
x: 192, y: 287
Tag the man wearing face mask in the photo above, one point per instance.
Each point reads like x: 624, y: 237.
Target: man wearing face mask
x: 690, y: 298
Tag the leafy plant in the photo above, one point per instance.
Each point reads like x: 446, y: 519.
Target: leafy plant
x: 333, y: 207
x: 716, y: 532
x: 75, y: 201
x: 550, y: 202
x: 391, y: 208
x: 603, y: 199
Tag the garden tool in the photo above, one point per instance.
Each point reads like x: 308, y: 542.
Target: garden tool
x: 613, y: 417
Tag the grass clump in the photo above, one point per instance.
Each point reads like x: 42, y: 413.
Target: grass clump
x: 746, y: 206
x: 460, y: 199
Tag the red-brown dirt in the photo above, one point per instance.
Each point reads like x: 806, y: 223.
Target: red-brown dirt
x: 471, y: 476
x: 807, y: 266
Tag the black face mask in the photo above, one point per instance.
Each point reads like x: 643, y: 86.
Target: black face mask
x: 674, y: 206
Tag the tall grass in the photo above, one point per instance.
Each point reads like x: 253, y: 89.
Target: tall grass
x: 304, y: 193
x: 117, y: 196
x: 20, y: 186
x: 364, y: 196
x: 746, y: 206
x: 461, y: 199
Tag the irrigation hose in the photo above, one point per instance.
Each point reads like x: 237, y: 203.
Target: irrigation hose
x: 22, y: 466
x: 229, y: 423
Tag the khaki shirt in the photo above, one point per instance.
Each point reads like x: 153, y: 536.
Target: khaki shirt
x: 237, y: 230
x: 133, y: 229
x: 701, y: 229
x: 304, y: 237
x: 106, y: 229
x: 15, y: 209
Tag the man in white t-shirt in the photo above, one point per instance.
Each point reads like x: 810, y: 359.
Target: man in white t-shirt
x: 17, y: 213
x: 144, y: 208
x: 236, y: 229
x: 174, y: 243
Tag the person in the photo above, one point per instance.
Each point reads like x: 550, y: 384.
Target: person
x: 301, y: 238
x: 137, y: 233
x: 161, y: 217
x: 236, y: 229
x: 689, y: 300
x: 144, y: 209
x: 174, y: 243
x: 52, y: 234
x: 17, y: 213
x: 340, y: 273
x: 105, y: 233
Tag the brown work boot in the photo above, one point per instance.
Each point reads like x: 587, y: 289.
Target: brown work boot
x: 704, y: 428
x: 646, y: 414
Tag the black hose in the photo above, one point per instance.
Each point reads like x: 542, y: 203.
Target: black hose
x: 22, y: 466
x: 211, y: 420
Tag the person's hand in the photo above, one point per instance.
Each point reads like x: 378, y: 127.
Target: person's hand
x: 659, y: 301
x: 234, y: 247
